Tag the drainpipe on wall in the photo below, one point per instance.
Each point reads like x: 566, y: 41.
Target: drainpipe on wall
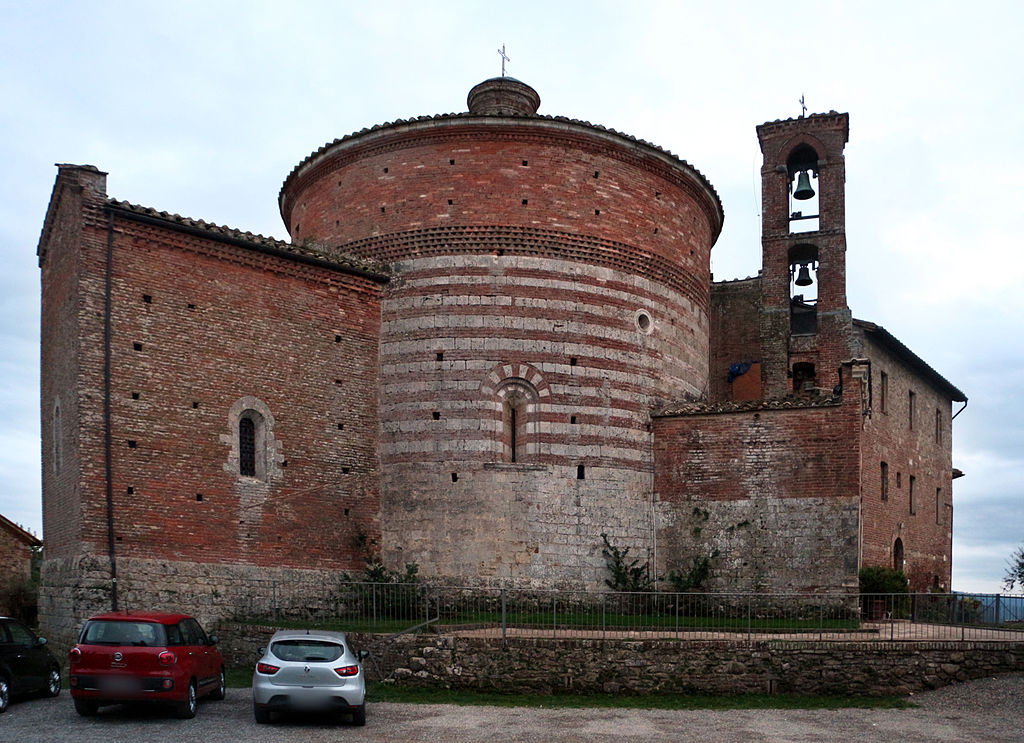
x: 107, y: 437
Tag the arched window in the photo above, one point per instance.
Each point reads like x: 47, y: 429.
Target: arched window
x: 247, y: 447
x: 254, y: 450
x: 518, y: 420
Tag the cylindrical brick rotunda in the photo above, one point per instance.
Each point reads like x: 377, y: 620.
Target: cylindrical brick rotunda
x: 550, y: 286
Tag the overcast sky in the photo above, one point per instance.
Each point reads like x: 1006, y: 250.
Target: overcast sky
x: 202, y: 109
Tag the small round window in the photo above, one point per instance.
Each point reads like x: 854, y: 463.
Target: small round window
x: 644, y: 322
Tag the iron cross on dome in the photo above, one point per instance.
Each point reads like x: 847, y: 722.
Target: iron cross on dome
x: 504, y: 58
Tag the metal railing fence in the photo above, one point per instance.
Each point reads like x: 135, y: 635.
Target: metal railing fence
x: 509, y: 612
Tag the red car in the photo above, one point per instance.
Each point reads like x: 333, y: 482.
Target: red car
x: 144, y: 656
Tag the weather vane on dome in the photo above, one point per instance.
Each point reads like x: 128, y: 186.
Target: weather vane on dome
x: 803, y: 106
x: 504, y: 58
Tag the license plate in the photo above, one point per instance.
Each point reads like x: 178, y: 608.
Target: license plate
x: 119, y: 683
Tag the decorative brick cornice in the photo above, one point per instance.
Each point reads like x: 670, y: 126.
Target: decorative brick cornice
x: 528, y: 241
x: 815, y: 122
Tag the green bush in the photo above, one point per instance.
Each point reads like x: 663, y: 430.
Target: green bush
x: 627, y: 575
x: 883, y: 580
x: 876, y: 588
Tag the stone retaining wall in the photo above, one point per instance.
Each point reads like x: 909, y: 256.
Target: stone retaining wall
x: 546, y: 666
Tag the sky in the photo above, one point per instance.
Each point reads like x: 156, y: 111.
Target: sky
x: 202, y: 109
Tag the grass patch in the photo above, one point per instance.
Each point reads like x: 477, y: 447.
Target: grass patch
x: 580, y: 621
x: 239, y: 678
x: 378, y: 692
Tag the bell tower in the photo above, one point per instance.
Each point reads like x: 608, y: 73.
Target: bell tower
x: 805, y: 327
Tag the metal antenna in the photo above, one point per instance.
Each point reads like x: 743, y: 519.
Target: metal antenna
x: 803, y: 106
x: 504, y: 58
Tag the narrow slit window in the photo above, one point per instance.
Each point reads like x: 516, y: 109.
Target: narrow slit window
x: 513, y: 430
x: 57, y: 453
x: 247, y: 447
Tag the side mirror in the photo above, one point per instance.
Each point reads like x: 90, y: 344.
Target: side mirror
x: 262, y: 651
x: 213, y: 640
x: 40, y: 641
x: 364, y: 654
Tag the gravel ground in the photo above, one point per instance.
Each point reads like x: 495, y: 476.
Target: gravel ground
x: 985, y: 710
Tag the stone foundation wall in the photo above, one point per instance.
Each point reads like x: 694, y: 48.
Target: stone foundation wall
x: 549, y: 666
x: 73, y: 589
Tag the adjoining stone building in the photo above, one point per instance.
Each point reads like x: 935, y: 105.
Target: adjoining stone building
x: 492, y: 337
x: 16, y: 550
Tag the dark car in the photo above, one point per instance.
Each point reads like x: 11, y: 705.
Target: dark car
x: 137, y: 657
x: 26, y: 664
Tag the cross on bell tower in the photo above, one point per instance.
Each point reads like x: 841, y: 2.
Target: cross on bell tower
x: 805, y: 322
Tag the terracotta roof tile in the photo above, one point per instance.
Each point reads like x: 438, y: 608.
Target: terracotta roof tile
x: 255, y: 240
x: 781, y: 403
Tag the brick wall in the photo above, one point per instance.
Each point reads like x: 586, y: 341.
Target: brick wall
x: 557, y: 257
x: 68, y: 333
x: 617, y: 195
x: 197, y: 328
x: 770, y: 495
x: 15, y: 563
x: 922, y: 451
x: 735, y: 338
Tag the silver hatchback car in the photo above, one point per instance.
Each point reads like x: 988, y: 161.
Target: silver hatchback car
x: 309, y: 670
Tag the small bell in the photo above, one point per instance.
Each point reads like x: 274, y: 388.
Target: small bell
x: 803, y: 278
x: 803, y: 187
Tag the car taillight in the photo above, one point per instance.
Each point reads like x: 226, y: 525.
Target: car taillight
x: 167, y: 658
x: 267, y: 668
x: 74, y: 655
x: 347, y: 670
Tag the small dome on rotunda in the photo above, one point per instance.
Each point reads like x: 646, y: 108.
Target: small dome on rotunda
x: 503, y: 96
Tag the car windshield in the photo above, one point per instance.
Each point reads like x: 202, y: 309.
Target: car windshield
x: 315, y: 651
x: 142, y: 634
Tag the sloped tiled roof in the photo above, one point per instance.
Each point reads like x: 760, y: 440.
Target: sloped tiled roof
x: 911, y: 359
x: 780, y: 403
x: 22, y: 535
x: 249, y: 239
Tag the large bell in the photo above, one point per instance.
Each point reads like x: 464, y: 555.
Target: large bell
x: 803, y: 277
x: 803, y: 187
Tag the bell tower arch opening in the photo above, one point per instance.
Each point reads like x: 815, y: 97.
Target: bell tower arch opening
x: 803, y: 317
x: 804, y: 190
x: 803, y: 289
